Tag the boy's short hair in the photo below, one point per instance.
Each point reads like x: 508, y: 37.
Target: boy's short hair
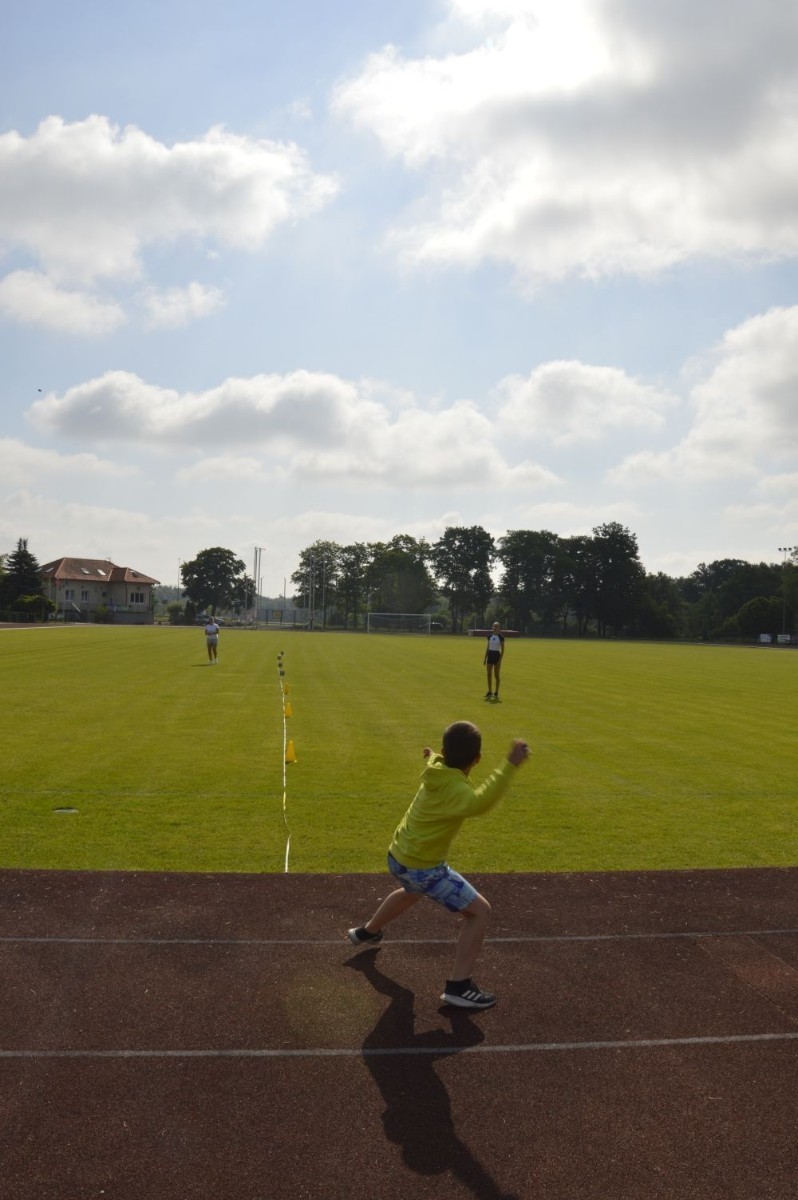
x: 462, y: 744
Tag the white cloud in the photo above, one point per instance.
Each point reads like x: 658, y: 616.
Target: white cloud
x: 33, y: 299
x: 85, y: 202
x: 302, y: 408
x: 224, y: 467
x: 175, y: 307
x: 750, y: 395
x: 745, y: 414
x: 320, y: 427
x: 777, y: 485
x: 568, y: 402
x: 87, y: 198
x: 570, y: 518
x: 22, y: 465
x: 595, y: 137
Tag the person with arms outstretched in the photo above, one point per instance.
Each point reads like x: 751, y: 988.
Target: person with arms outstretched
x: 418, y: 851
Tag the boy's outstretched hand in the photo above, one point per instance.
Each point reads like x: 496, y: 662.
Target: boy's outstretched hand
x: 518, y: 752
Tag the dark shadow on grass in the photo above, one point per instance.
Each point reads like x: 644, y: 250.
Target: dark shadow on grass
x: 418, y: 1111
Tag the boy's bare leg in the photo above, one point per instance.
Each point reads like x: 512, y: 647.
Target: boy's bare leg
x: 392, y: 907
x: 472, y: 935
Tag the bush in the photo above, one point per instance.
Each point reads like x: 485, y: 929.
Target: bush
x: 175, y: 612
x: 36, y: 607
x: 763, y: 614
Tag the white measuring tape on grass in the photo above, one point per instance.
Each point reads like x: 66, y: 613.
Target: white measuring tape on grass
x: 280, y: 676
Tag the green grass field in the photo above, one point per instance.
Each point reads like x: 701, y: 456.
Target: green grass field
x: 644, y: 756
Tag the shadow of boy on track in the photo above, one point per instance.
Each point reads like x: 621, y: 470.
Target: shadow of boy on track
x: 418, y: 1110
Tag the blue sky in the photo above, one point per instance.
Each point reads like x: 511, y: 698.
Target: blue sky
x: 275, y: 272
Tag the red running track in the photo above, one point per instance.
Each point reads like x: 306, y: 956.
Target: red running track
x: 205, y: 1037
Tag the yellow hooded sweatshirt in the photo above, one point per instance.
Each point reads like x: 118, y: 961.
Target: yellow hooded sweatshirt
x: 446, y: 797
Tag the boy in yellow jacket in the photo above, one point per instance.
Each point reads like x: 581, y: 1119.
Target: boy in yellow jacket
x: 417, y: 854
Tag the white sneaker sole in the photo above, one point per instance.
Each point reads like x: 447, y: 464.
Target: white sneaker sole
x: 350, y: 933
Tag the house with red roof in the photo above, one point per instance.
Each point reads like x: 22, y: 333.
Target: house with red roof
x: 80, y: 587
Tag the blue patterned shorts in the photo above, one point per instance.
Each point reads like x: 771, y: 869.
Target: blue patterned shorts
x: 440, y: 883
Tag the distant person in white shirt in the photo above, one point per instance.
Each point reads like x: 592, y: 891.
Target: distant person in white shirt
x: 212, y: 641
x: 493, y: 661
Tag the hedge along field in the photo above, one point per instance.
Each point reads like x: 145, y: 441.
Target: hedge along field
x: 644, y: 755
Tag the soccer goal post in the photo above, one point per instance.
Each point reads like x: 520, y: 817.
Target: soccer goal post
x: 398, y: 623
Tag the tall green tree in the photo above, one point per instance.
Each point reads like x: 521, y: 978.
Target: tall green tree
x: 576, y: 581
x: 461, y: 560
x: 709, y: 577
x: 529, y: 560
x: 397, y: 577
x: 215, y: 579
x: 619, y: 575
x: 21, y: 577
x: 353, y: 564
x: 660, y: 609
x: 316, y: 577
x: 761, y: 614
x: 716, y: 591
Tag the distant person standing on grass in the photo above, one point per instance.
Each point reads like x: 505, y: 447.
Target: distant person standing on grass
x: 212, y: 641
x: 418, y: 851
x: 494, y: 653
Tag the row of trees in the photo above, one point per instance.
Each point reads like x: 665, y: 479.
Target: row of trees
x: 546, y: 583
x: 531, y: 580
x: 538, y: 582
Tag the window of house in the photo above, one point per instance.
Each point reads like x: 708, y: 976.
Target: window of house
x: 84, y: 595
x: 70, y: 593
x: 136, y: 597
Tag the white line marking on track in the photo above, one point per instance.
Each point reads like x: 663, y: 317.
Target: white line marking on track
x: 404, y: 1051
x: 342, y: 941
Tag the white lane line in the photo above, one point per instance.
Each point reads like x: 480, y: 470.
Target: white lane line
x: 415, y: 1051
x: 531, y: 939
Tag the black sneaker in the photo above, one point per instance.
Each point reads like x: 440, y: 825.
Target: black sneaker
x: 362, y: 937
x: 466, y: 994
x: 488, y: 696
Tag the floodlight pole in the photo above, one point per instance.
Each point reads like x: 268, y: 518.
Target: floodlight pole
x: 784, y: 550
x: 256, y: 576
x: 312, y: 590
